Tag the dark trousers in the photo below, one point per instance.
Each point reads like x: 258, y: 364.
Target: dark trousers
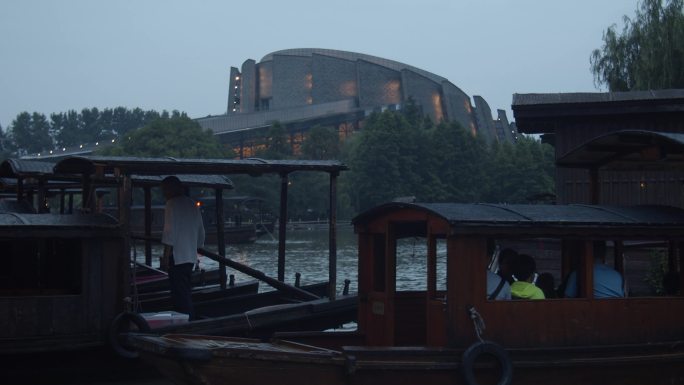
x: 180, y: 280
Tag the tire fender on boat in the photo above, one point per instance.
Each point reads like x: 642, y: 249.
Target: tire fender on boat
x: 477, y: 349
x: 121, y: 323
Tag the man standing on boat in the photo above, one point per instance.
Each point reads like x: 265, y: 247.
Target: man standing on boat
x: 183, y: 235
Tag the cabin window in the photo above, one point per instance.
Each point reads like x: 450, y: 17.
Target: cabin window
x: 410, y: 255
x: 651, y: 268
x: 441, y: 265
x: 411, y: 269
x: 40, y: 267
x: 617, y: 269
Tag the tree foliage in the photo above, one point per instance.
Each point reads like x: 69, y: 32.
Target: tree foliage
x: 176, y: 137
x: 321, y: 143
x: 648, y: 54
x: 277, y: 143
x: 30, y: 132
x: 33, y: 132
x: 390, y: 158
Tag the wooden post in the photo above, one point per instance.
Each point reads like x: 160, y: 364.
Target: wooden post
x: 125, y: 189
x: 672, y: 257
x: 220, y: 236
x: 71, y: 203
x: 332, y: 238
x: 62, y: 202
x: 618, y: 257
x: 594, y: 186
x: 282, y: 230
x: 148, y: 225
x: 431, y: 265
x: 681, y: 268
x: 585, y: 271
x: 20, y: 189
x: 41, y: 196
x: 85, y: 195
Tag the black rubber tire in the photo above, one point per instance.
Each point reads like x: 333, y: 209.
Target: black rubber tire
x: 486, y: 347
x: 121, y: 323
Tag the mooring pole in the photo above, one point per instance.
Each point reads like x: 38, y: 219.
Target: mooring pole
x: 282, y: 230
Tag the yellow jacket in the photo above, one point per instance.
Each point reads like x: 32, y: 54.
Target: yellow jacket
x: 526, y: 290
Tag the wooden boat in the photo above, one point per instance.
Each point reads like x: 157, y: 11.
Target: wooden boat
x: 450, y: 332
x: 57, y: 290
x: 212, y: 301
x: 78, y: 307
x: 149, y: 279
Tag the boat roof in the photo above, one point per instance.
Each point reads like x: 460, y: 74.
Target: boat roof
x: 169, y: 165
x: 628, y: 150
x: 12, y: 169
x: 553, y: 219
x: 544, y: 113
x: 57, y: 220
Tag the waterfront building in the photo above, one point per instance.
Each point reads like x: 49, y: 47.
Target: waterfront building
x: 302, y: 88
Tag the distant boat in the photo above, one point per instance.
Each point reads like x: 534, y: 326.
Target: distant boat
x: 245, y: 218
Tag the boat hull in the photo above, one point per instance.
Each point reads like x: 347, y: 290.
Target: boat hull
x: 212, y: 360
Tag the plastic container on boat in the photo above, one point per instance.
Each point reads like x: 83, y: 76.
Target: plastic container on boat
x: 164, y: 318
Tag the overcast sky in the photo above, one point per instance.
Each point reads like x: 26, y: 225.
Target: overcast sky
x: 169, y: 54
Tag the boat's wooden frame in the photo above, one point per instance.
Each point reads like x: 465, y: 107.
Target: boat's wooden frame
x: 42, y: 331
x: 430, y: 336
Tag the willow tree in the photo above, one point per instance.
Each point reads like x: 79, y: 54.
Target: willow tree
x: 648, y: 54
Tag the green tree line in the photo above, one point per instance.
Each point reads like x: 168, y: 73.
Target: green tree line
x: 396, y: 154
x: 35, y: 132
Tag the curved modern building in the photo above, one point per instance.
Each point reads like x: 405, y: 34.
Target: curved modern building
x: 304, y: 87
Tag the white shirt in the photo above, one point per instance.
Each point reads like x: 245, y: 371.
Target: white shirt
x: 183, y: 229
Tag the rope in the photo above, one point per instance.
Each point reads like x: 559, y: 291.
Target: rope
x: 478, y: 322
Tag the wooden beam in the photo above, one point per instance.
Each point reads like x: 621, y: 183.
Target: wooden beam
x: 282, y: 230
x: 332, y: 238
x: 594, y: 186
x: 148, y: 224
x: 220, y: 236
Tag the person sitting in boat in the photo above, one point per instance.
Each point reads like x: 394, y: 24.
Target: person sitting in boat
x: 608, y: 283
x: 183, y: 234
x: 547, y: 284
x: 497, y: 287
x: 506, y: 263
x: 524, y: 276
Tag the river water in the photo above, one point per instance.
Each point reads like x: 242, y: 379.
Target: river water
x: 307, y: 253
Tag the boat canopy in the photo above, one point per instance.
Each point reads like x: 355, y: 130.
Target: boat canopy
x: 169, y: 165
x: 56, y: 220
x: 652, y: 221
x: 13, y: 169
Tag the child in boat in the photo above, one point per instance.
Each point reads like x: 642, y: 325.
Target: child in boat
x: 524, y: 275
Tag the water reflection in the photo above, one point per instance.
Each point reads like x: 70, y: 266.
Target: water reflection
x: 307, y: 254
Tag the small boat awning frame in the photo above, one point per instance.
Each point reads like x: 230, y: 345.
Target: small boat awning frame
x: 536, y: 220
x: 628, y: 150
x: 97, y: 166
x: 157, y: 166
